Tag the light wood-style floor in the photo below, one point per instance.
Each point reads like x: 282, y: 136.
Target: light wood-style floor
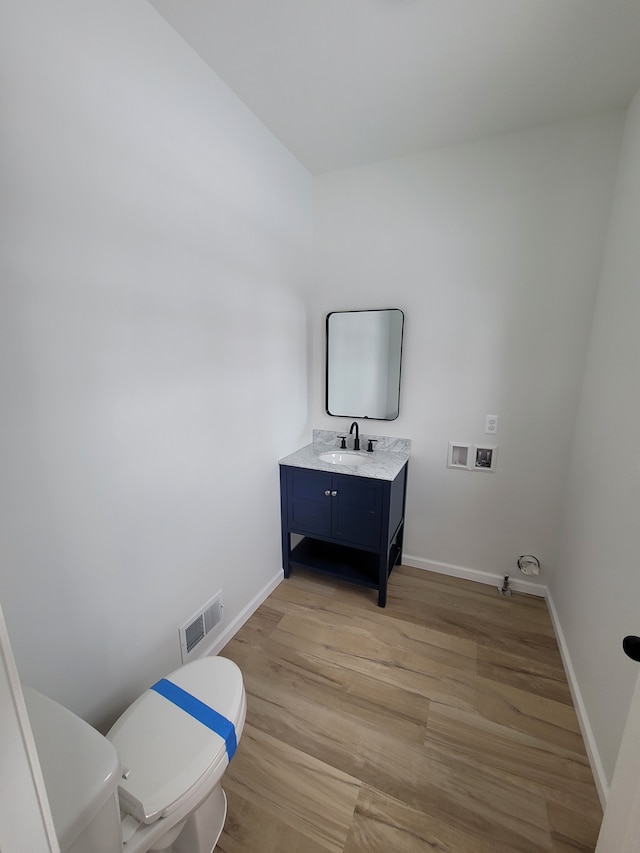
x: 442, y: 722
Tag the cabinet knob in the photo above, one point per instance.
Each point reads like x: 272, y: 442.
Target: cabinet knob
x: 333, y: 494
x: 327, y: 493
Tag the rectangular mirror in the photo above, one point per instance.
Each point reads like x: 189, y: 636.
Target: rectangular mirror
x: 364, y: 352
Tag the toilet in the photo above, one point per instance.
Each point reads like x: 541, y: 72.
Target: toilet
x: 154, y: 782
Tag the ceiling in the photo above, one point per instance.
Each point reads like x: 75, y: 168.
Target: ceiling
x: 347, y: 82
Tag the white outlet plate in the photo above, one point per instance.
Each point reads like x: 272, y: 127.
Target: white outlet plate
x: 491, y: 424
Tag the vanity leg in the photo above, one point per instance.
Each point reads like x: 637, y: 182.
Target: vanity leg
x: 399, y: 543
x: 383, y: 573
x: 286, y: 536
x: 286, y: 553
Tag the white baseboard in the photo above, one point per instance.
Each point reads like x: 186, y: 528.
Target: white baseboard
x: 233, y: 627
x: 585, y: 727
x: 538, y: 589
x: 518, y: 585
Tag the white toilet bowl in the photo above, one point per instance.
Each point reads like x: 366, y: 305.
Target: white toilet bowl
x: 153, y: 784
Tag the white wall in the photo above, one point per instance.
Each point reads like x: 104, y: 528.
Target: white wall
x: 155, y: 244
x: 596, y: 586
x: 493, y: 250
x: 154, y: 235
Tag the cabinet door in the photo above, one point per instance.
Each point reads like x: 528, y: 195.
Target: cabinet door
x: 309, y: 503
x: 357, y: 510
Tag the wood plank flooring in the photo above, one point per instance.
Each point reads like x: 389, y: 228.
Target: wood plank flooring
x: 442, y: 722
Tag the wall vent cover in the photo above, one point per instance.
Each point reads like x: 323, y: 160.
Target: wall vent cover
x: 193, y: 632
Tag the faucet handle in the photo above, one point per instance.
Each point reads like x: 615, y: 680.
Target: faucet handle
x: 343, y: 440
x: 371, y: 441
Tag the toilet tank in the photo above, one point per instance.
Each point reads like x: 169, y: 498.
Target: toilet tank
x: 81, y: 772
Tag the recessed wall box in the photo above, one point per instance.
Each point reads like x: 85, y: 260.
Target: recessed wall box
x: 459, y: 455
x: 484, y: 457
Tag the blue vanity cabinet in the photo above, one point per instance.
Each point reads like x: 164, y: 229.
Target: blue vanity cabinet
x: 351, y: 527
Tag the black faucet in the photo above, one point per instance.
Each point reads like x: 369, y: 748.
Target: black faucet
x: 356, y: 440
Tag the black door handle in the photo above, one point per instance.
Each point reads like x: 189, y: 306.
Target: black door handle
x: 631, y: 646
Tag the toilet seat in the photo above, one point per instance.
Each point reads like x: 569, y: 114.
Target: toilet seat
x: 166, y: 752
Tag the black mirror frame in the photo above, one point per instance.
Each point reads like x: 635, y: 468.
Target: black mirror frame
x: 326, y: 384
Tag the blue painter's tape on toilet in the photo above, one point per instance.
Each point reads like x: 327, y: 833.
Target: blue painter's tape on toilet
x: 191, y: 705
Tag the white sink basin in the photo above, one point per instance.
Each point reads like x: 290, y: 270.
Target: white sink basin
x: 342, y: 457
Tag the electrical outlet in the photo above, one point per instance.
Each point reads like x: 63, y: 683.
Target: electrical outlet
x: 491, y: 424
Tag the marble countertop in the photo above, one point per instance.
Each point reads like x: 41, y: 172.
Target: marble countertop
x: 385, y: 463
